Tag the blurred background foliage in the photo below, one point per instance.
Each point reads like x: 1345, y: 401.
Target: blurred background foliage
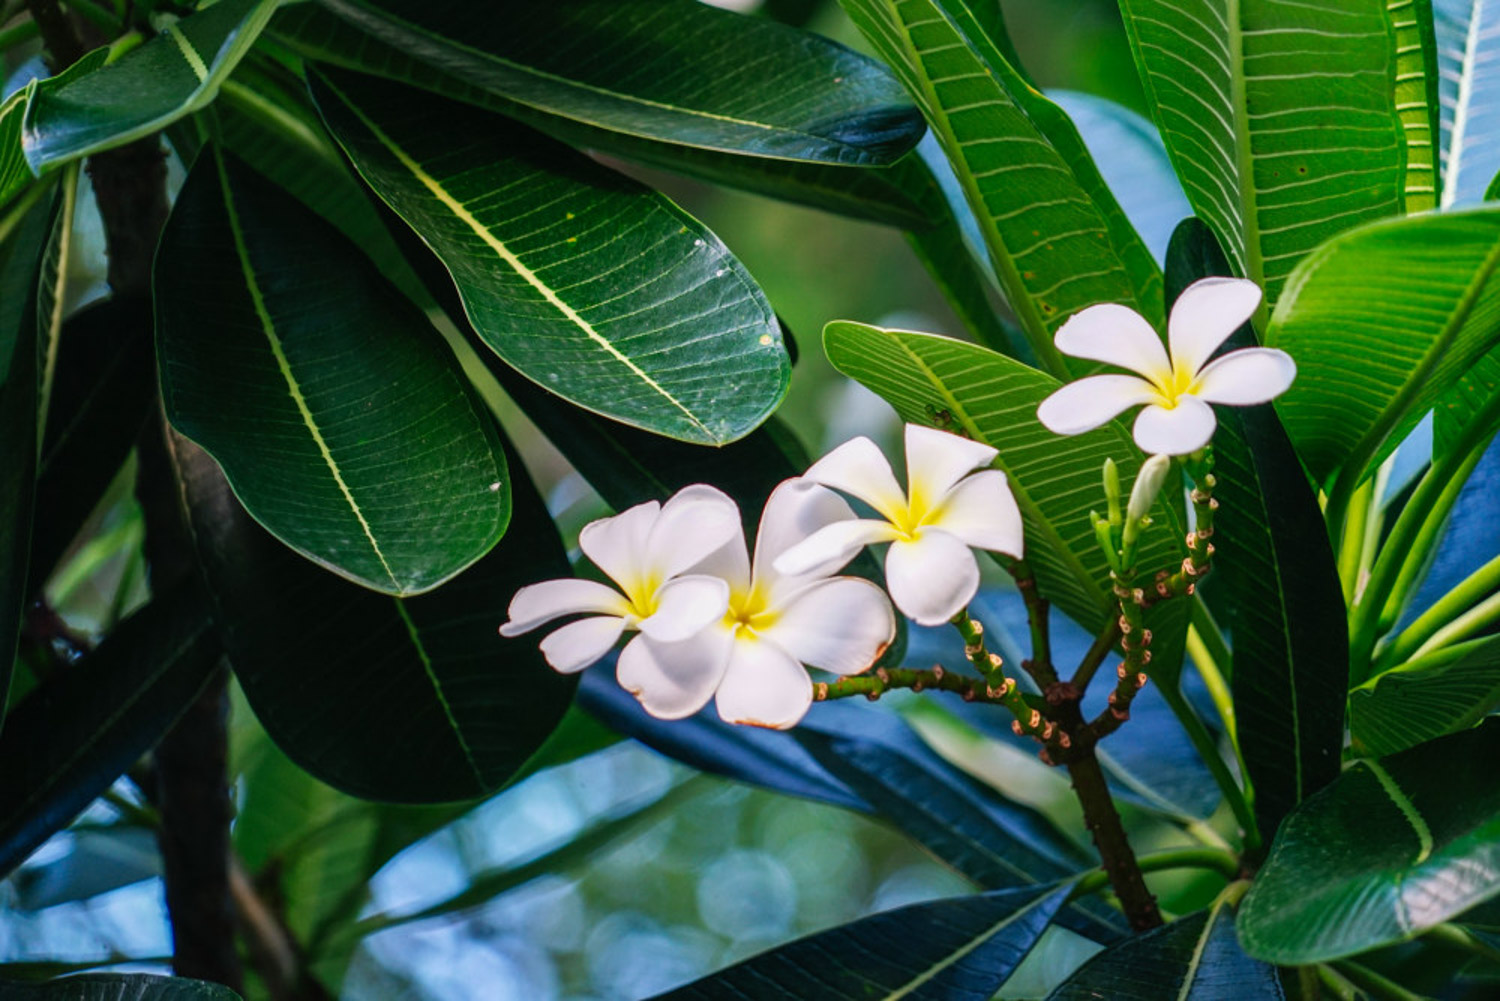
x: 613, y: 876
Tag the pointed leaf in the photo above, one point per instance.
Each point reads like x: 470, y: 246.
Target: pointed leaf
x: 119, y: 987
x: 1441, y: 692
x: 92, y: 107
x: 433, y: 705
x: 1468, y: 44
x: 340, y: 417
x: 1279, y: 118
x: 1418, y: 80
x: 1390, y: 849
x: 947, y: 950
x: 15, y: 175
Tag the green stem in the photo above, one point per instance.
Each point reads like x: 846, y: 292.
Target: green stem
x: 999, y: 688
x: 1352, y: 542
x: 1342, y: 989
x: 1211, y: 655
x: 1208, y: 750
x: 885, y: 679
x: 1445, y: 611
x: 1038, y: 619
x: 1451, y: 934
x: 1378, y: 987
x: 1224, y: 862
x: 1103, y: 644
x: 133, y: 813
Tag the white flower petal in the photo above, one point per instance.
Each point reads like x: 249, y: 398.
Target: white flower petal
x: 1206, y: 313
x: 842, y: 624
x: 1184, y: 428
x: 859, y: 468
x: 763, y: 686
x: 935, y: 460
x: 695, y: 522
x: 578, y: 644
x: 829, y: 548
x: 535, y: 604
x: 674, y: 680
x: 686, y: 605
x: 981, y: 512
x: 617, y: 545
x: 1246, y: 377
x: 931, y: 579
x: 1115, y: 335
x: 796, y: 510
x: 1093, y: 402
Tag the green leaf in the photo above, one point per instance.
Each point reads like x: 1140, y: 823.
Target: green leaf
x: 1389, y: 850
x: 1195, y: 958
x: 1468, y: 43
x: 673, y: 70
x: 339, y: 415
x: 1280, y: 120
x: 434, y: 706
x: 1417, y: 88
x: 945, y: 950
x: 118, y: 987
x: 1277, y: 588
x: 594, y: 287
x: 92, y: 107
x: 1055, y: 234
x: 1056, y: 480
x: 14, y: 174
x: 84, y: 725
x: 1438, y: 693
x: 1382, y: 321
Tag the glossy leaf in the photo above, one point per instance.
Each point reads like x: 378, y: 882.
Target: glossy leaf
x: 1055, y: 234
x: 672, y: 70
x: 339, y: 416
x: 967, y: 389
x: 1418, y: 81
x: 119, y: 987
x: 433, y: 705
x: 566, y: 275
x: 1279, y: 119
x: 1389, y: 850
x: 91, y: 107
x: 1195, y: 958
x: 74, y: 734
x: 1277, y: 588
x: 1468, y: 46
x: 14, y: 174
x: 1381, y: 321
x: 1441, y: 692
x: 945, y: 950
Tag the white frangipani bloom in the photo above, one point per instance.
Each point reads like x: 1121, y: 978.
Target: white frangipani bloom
x: 946, y: 508
x: 1176, y: 390
x: 646, y: 550
x: 750, y: 661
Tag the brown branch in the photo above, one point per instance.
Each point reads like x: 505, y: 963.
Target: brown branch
x: 1115, y: 854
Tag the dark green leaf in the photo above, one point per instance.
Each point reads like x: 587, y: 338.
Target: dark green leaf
x: 594, y: 287
x: 118, y: 987
x: 339, y: 415
x: 92, y: 107
x: 1389, y: 850
x: 432, y: 704
x: 946, y: 950
x: 1277, y: 587
x: 14, y: 174
x: 1438, y: 693
x: 673, y: 70
x: 1195, y: 958
x: 85, y: 724
x: 1468, y: 42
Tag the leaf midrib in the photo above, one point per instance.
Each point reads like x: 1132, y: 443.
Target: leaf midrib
x: 437, y: 689
x: 953, y: 957
x: 1461, y: 105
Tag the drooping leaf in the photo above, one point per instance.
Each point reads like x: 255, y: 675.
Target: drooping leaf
x: 1437, y: 693
x: 91, y: 107
x: 84, y: 725
x: 671, y: 70
x: 14, y: 174
x: 594, y: 287
x: 1471, y: 537
x: 118, y: 987
x: 1277, y: 587
x: 1056, y: 480
x: 1468, y: 45
x: 432, y: 704
x: 1468, y: 412
x: 1195, y: 958
x: 1055, y: 234
x: 945, y: 950
x: 1279, y: 119
x: 1390, y: 849
x: 339, y: 416
x: 1382, y: 321
x: 1418, y: 83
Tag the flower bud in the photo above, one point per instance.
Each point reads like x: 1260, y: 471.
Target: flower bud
x: 1148, y: 483
x: 1112, y: 491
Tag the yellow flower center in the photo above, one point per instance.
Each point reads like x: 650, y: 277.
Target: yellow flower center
x: 749, y: 612
x: 1173, y: 385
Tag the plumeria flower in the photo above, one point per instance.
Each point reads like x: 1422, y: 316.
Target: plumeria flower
x: 750, y: 661
x: 645, y: 550
x: 946, y: 508
x: 1176, y: 390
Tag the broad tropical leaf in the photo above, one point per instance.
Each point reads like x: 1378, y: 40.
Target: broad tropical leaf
x: 73, y: 735
x: 1438, y: 693
x: 1468, y: 49
x: 91, y: 107
x: 1279, y: 119
x: 946, y: 950
x: 1382, y: 321
x: 1055, y: 234
x: 1417, y: 87
x: 340, y: 417
x: 592, y: 286
x: 434, y: 706
x: 119, y: 987
x: 1390, y: 849
x: 15, y: 175
x: 673, y: 70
